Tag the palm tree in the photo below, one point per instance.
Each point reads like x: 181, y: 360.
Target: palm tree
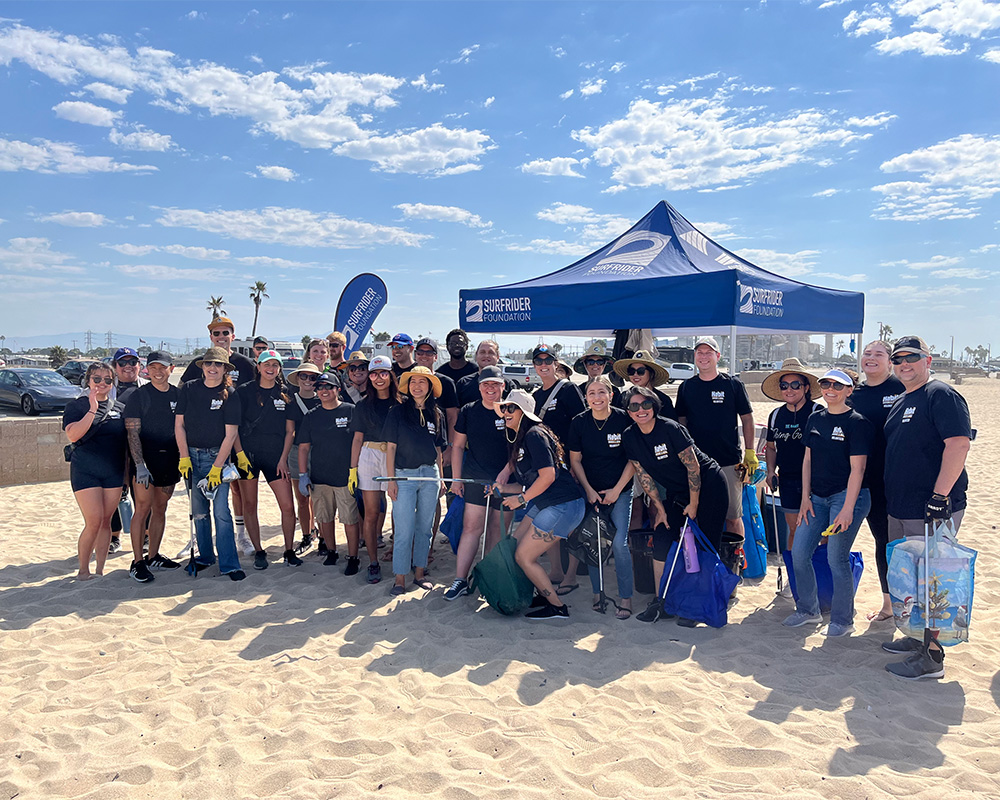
x: 257, y: 294
x: 215, y: 306
x: 57, y: 357
x: 884, y: 332
x: 840, y: 346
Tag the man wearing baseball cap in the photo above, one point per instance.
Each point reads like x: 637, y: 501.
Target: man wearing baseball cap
x: 402, y: 354
x: 710, y: 406
x: 260, y: 344
x: 928, y: 434
x: 221, y: 332
x: 127, y: 380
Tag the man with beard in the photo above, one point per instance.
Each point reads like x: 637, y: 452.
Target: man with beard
x: 457, y: 345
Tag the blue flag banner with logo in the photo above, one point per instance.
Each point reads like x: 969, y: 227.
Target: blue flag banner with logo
x: 663, y: 274
x: 360, y: 303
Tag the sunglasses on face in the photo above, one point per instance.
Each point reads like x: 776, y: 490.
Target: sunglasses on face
x: 909, y: 358
x: 222, y: 333
x: 645, y: 405
x: 831, y: 385
x: 212, y: 364
x: 307, y: 378
x: 593, y: 362
x: 128, y: 362
x: 509, y: 408
x: 357, y: 368
x: 543, y: 361
x: 426, y: 352
x: 380, y: 374
x: 326, y: 387
x: 636, y: 371
x: 108, y: 381
x: 794, y: 385
x: 331, y: 345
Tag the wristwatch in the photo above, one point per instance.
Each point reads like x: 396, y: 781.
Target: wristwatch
x: 523, y: 501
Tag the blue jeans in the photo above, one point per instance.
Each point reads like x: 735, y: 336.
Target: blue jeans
x: 413, y: 518
x: 621, y: 513
x: 225, y: 537
x: 807, y: 539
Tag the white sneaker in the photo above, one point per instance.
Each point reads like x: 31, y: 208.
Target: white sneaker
x: 786, y: 591
x: 243, y: 542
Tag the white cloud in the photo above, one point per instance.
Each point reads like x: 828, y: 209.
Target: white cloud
x: 560, y: 167
x: 160, y: 272
x: 429, y: 151
x: 986, y: 248
x: 86, y: 113
x: 427, y: 86
x: 141, y: 139
x: 111, y: 94
x: 790, y: 265
x: 557, y: 51
x: 618, y: 66
x: 717, y: 230
x: 594, y: 228
x: 276, y: 173
x: 954, y: 176
x: 826, y: 193
x: 970, y: 18
x: 931, y: 263
x: 857, y: 277
x: 595, y: 86
x: 77, y: 219
x: 291, y: 226
x: 199, y: 253
x: 961, y: 272
x: 934, y: 24
x: 50, y: 157
x: 923, y: 42
x: 465, y: 55
x: 567, y: 94
x: 31, y: 254
x: 488, y: 102
x: 992, y: 56
x: 551, y: 247
x: 435, y: 272
x: 442, y: 214
x: 132, y: 249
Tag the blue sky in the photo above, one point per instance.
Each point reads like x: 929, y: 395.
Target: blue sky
x: 154, y: 154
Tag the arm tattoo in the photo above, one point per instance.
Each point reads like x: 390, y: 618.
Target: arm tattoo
x: 132, y: 428
x: 689, y: 460
x: 646, y: 482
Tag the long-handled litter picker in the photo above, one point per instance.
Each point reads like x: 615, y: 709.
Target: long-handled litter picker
x: 777, y: 544
x: 192, y: 567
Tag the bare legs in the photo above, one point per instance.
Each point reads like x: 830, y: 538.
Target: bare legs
x: 532, y: 543
x: 97, y: 505
x: 282, y: 490
x: 150, y: 501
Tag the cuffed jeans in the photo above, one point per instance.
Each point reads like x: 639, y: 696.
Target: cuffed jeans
x: 621, y: 513
x: 413, y: 518
x: 225, y: 537
x: 807, y: 539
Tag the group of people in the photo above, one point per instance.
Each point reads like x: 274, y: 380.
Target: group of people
x: 344, y: 432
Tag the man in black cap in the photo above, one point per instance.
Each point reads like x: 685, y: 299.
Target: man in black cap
x: 127, y: 380
x: 260, y: 344
x: 928, y: 435
x: 458, y: 366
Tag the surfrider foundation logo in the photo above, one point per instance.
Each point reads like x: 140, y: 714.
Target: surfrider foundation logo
x: 498, y: 309
x: 473, y: 310
x: 760, y: 302
x: 631, y: 254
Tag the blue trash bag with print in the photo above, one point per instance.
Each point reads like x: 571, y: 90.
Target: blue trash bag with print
x: 704, y: 595
x: 451, y: 525
x: 824, y: 578
x: 755, y: 539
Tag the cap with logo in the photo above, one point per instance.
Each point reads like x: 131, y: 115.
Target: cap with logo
x: 221, y: 322
x: 595, y: 351
x: 125, y: 352
x: 160, y: 357
x: 542, y: 349
x: 357, y: 357
x: 491, y: 374
x: 911, y: 344
x: 380, y: 362
x: 261, y: 340
x: 269, y: 355
x: 427, y: 342
x: 328, y: 379
x: 401, y: 340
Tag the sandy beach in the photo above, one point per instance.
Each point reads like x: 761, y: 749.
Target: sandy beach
x: 306, y: 683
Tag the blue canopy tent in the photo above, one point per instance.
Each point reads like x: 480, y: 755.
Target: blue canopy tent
x: 662, y: 274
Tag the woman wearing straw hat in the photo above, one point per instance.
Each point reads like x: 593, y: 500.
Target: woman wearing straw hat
x: 786, y: 426
x: 641, y: 370
x: 303, y: 378
x: 416, y: 435
x: 544, y: 487
x: 596, y: 361
x: 208, y: 417
x: 357, y: 377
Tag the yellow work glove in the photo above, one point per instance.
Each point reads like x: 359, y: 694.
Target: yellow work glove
x: 184, y: 465
x: 214, y: 478
x: 244, y: 464
x: 352, y: 480
x: 750, y: 460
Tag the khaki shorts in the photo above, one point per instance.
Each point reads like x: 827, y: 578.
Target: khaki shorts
x: 734, y: 485
x: 328, y: 500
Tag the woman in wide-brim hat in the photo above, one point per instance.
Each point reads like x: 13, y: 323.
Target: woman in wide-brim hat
x: 215, y: 355
x: 600, y: 362
x: 420, y: 372
x: 790, y: 369
x: 642, y: 371
x: 305, y: 367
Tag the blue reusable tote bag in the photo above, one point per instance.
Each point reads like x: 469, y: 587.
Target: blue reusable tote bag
x: 755, y: 539
x: 451, y: 525
x: 702, y: 596
x: 824, y: 578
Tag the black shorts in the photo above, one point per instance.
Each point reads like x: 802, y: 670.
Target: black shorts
x: 93, y: 475
x: 263, y: 462
x: 475, y: 495
x: 713, y: 505
x: 162, y: 465
x: 789, y: 495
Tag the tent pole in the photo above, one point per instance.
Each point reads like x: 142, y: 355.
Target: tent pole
x: 734, y: 367
x: 857, y: 352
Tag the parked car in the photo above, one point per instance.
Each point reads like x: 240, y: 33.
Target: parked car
x: 680, y: 372
x: 33, y: 390
x: 73, y: 371
x: 521, y: 375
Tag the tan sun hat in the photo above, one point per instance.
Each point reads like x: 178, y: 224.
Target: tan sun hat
x: 215, y: 355
x: 306, y: 366
x: 420, y: 372
x: 790, y: 366
x: 358, y: 357
x: 644, y: 359
x: 596, y: 350
x: 522, y: 400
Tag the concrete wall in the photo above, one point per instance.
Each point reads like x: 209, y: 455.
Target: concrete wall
x: 31, y: 451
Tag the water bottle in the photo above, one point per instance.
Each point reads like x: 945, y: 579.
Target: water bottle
x: 690, y: 550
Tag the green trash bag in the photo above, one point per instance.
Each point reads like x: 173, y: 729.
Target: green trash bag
x: 500, y: 580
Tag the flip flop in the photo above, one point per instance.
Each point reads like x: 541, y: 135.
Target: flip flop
x: 879, y: 616
x: 423, y: 583
x: 564, y: 590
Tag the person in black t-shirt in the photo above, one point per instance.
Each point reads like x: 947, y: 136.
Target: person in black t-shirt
x: 596, y: 361
x: 678, y: 478
x: 873, y: 399
x: 710, y: 405
x: 544, y: 487
x: 834, y: 502
x: 368, y: 453
x: 487, y: 355
x: 479, y: 452
x: 426, y: 352
x: 598, y: 460
x: 149, y: 421
x: 262, y: 446
x: 457, y: 345
x: 786, y: 428
x: 127, y: 380
x: 303, y: 378
x: 206, y: 425
x: 94, y: 425
x: 416, y: 436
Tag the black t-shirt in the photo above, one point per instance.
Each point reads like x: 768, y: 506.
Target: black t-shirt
x: 786, y: 430
x: 264, y: 413
x: 155, y: 411
x: 370, y: 415
x: 600, y: 444
x: 713, y: 409
x: 537, y: 451
x: 328, y: 434
x: 873, y: 403
x: 206, y: 414
x: 294, y: 412
x: 416, y: 445
x: 124, y: 390
x: 457, y: 374
x: 104, y: 450
x: 486, y: 447
x: 468, y: 389
x: 449, y: 393
x: 658, y: 453
x: 666, y: 404
x: 398, y: 370
x: 244, y: 371
x: 559, y: 410
x: 832, y: 439
x: 915, y: 431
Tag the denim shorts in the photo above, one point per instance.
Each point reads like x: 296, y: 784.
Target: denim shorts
x: 560, y: 520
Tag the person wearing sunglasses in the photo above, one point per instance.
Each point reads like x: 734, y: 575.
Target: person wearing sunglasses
x: 786, y: 426
x: 368, y: 450
x: 834, y: 503
x: 337, y: 344
x: 458, y: 366
x: 642, y: 370
x: 402, y: 354
x: 596, y: 361
x: 543, y: 486
x: 679, y: 480
x: 303, y: 400
x: 127, y: 380
x: 260, y: 344
x: 206, y: 425
x: 873, y: 399
x: 598, y: 461
x: 357, y: 377
x: 95, y: 427
x: 928, y: 435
